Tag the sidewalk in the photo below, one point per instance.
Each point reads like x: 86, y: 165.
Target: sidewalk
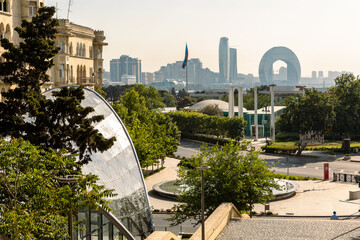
x: 169, y: 173
x: 314, y: 198
x: 317, y: 198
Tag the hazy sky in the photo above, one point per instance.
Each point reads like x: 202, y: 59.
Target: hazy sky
x: 324, y: 34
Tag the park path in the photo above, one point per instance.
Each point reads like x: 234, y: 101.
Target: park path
x: 169, y: 173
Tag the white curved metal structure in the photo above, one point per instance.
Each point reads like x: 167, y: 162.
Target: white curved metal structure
x: 283, y: 54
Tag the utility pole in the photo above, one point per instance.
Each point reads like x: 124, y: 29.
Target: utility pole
x: 68, y: 13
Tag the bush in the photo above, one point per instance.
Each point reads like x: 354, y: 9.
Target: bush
x: 207, y: 139
x: 198, y: 123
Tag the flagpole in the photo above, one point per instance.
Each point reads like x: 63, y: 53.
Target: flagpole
x: 186, y: 87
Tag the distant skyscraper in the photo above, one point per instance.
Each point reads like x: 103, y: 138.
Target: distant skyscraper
x: 224, y: 60
x: 321, y: 74
x: 233, y: 63
x: 313, y: 74
x: 125, y: 65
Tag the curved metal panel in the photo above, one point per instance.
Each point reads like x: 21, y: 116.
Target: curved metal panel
x: 118, y: 168
x: 283, y: 54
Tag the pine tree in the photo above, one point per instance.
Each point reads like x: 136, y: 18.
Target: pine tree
x: 56, y: 123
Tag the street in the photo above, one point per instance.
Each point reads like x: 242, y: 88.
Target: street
x: 309, y: 165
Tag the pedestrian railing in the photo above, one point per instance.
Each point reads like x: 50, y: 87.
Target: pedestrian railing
x: 346, y: 177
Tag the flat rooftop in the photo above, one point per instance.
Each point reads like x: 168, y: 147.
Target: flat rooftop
x: 281, y: 229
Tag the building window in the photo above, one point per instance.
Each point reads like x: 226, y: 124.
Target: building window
x: 61, y: 71
x: 32, y: 9
x: 99, y: 55
x: 5, y: 6
x: 71, y: 49
x: 83, y: 50
x: 90, y: 52
x: 61, y: 46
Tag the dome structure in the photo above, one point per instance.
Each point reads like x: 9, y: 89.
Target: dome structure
x: 118, y: 168
x: 223, y: 106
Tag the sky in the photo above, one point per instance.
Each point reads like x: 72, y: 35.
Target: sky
x: 324, y: 34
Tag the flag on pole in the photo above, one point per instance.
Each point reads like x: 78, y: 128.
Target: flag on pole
x: 186, y: 57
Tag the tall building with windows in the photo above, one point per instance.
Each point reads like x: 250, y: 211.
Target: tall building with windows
x: 125, y: 65
x: 224, y: 60
x: 79, y: 61
x: 233, y: 64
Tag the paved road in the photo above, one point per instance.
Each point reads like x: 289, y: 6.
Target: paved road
x: 307, y: 166
x: 162, y: 224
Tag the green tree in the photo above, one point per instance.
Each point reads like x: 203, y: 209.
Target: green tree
x: 153, y: 133
x: 243, y: 179
x: 153, y: 99
x: 312, y: 112
x: 168, y: 98
x: 212, y: 110
x: 347, y: 95
x: 262, y: 99
x: 34, y: 202
x: 185, y: 102
x: 57, y: 123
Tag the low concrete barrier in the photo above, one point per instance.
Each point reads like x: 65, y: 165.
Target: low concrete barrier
x: 162, y: 235
x: 354, y: 194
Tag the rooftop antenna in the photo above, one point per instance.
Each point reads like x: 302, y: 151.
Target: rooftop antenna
x: 56, y: 8
x: 68, y: 13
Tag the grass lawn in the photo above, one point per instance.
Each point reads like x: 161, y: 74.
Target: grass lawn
x: 327, y: 145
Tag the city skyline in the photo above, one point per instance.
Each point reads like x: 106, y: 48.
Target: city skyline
x: 322, y: 33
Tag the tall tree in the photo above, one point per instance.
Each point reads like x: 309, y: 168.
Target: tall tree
x: 243, y: 179
x: 57, y: 123
x: 153, y: 133
x: 312, y: 112
x: 347, y: 95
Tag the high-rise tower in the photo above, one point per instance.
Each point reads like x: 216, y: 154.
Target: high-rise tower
x: 233, y: 64
x: 224, y: 60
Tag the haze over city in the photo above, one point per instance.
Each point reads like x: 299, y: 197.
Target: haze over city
x: 323, y: 33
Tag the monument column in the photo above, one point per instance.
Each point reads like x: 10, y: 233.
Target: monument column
x: 231, y: 102
x: 272, y: 119
x: 255, y: 115
x: 240, y: 102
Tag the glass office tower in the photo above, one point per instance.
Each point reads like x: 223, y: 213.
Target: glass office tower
x: 224, y: 60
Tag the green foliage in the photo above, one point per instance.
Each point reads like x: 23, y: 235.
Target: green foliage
x: 167, y: 98
x: 113, y: 93
x: 193, y: 123
x: 262, y: 99
x: 243, y: 179
x: 314, y: 111
x: 100, y: 91
x: 212, y: 110
x: 206, y: 138
x: 56, y: 123
x: 347, y: 94
x: 35, y: 199
x: 292, y: 177
x: 185, y: 102
x: 154, y: 135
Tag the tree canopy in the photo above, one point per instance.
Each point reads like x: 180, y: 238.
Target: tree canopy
x: 243, y: 179
x: 153, y: 133
x: 34, y: 201
x: 57, y: 123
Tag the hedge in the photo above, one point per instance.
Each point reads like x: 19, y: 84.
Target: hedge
x: 199, y: 123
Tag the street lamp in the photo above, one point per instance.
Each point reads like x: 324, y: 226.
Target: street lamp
x: 68, y: 179
x: 202, y: 168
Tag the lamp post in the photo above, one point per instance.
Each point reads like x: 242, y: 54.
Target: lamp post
x: 202, y: 168
x: 69, y: 179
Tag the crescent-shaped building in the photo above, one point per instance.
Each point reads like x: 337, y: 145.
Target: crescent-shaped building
x: 283, y: 54
x: 118, y: 168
